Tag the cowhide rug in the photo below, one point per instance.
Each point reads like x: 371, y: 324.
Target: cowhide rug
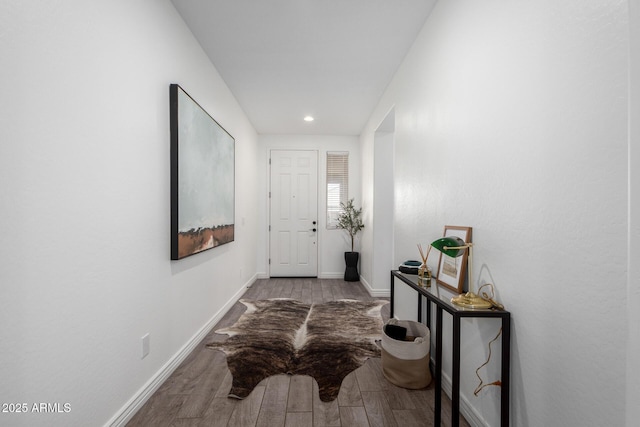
x: 282, y: 336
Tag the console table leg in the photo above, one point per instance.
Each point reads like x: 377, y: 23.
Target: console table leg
x: 455, y: 381
x: 438, y: 370
x: 506, y: 366
x: 393, y: 282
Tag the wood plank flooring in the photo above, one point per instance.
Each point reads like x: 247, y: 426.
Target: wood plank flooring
x: 196, y: 393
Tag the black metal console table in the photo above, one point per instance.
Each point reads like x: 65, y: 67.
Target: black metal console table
x: 457, y: 313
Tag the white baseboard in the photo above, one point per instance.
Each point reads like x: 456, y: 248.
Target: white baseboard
x: 320, y: 275
x: 325, y: 275
x: 466, y: 409
x: 331, y: 275
x: 378, y: 293
x: 140, y: 398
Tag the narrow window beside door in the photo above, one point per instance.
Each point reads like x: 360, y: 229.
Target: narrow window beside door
x: 337, y: 185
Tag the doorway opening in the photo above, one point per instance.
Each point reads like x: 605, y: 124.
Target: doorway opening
x: 383, y: 201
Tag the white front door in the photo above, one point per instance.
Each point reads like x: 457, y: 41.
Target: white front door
x: 293, y: 243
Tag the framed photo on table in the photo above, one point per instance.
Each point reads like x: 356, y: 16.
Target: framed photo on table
x: 453, y: 271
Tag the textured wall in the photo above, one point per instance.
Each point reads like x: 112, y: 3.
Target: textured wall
x: 633, y: 292
x: 511, y: 117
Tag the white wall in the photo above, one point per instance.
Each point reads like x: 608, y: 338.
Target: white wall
x: 633, y: 286
x: 331, y: 243
x: 511, y: 117
x: 84, y: 167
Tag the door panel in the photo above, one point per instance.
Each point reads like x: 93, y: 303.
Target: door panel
x: 293, y: 245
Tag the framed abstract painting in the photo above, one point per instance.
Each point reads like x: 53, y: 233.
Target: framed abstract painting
x: 202, y: 178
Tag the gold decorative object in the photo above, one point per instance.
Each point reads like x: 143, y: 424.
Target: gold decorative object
x: 471, y: 300
x: 490, y: 297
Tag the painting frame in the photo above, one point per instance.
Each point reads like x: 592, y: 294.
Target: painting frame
x: 452, y: 271
x: 202, y: 178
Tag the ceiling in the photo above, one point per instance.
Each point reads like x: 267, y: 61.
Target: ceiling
x: 286, y: 59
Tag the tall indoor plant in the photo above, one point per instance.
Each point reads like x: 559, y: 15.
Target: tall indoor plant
x: 350, y: 219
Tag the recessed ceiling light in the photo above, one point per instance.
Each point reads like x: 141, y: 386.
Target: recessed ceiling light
x: 308, y: 119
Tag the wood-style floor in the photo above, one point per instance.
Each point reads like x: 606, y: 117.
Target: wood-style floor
x: 196, y: 393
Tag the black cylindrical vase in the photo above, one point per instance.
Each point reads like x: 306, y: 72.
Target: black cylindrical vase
x: 351, y: 272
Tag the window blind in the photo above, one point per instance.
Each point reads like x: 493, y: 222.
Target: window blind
x: 337, y: 185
